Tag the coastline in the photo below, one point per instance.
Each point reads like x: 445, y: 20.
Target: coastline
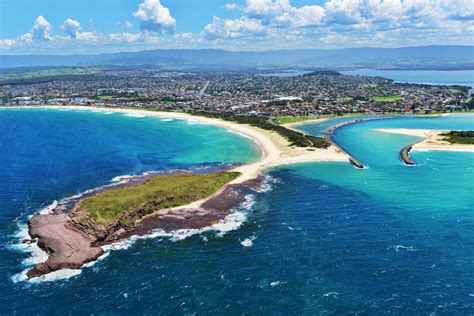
x: 432, y: 140
x: 276, y: 150
x: 70, y: 247
x: 316, y: 120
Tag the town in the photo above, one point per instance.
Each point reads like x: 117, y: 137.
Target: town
x: 245, y: 92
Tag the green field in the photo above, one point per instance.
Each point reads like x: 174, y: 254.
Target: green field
x: 390, y: 98
x: 345, y: 99
x: 294, y: 119
x: 159, y: 192
x: 370, y: 85
x: 49, y: 72
x: 459, y: 137
x: 105, y: 97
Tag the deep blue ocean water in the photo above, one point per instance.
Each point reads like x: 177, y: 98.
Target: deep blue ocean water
x: 326, y: 239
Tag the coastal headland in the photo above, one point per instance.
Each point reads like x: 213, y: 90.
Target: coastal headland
x: 72, y: 237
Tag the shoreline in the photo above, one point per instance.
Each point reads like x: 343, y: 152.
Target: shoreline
x: 70, y: 247
x: 276, y: 150
x: 431, y: 140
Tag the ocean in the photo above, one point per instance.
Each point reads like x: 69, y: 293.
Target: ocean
x: 322, y: 238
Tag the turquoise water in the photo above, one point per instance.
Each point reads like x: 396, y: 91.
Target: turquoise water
x: 455, y: 77
x: 325, y: 239
x: 321, y: 128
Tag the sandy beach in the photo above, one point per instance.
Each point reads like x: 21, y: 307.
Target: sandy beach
x: 433, y: 139
x: 276, y: 150
x: 55, y: 230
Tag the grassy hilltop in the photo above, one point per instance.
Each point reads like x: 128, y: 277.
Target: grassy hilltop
x: 124, y: 205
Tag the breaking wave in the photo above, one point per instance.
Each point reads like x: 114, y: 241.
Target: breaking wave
x: 135, y: 115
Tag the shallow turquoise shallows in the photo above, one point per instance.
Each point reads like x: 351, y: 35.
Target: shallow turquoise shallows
x: 325, y: 239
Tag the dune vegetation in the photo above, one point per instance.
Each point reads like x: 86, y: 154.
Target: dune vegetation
x: 459, y: 137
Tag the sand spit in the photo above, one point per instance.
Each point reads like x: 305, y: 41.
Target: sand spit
x: 432, y: 139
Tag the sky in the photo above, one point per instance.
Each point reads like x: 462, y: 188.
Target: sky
x: 101, y: 26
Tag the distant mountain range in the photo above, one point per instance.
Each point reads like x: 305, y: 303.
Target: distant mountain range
x: 423, y: 57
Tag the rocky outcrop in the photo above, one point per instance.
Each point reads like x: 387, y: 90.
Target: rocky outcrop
x: 70, y: 243
x: 405, y: 155
x: 66, y: 247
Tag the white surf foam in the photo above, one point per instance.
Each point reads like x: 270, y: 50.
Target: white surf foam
x: 277, y: 283
x: 121, y: 178
x: 135, y: 115
x: 48, y: 209
x: 166, y: 120
x: 231, y: 222
x: 398, y: 248
x: 248, y: 242
x: 193, y: 122
x: 267, y: 184
x: 50, y: 277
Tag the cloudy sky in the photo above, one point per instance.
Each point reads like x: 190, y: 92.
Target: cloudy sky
x: 95, y: 26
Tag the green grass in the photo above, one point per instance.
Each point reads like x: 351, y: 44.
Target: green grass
x: 370, y: 85
x: 294, y: 119
x: 459, y: 137
x: 390, y: 98
x: 105, y: 97
x: 50, y: 72
x: 345, y: 99
x: 159, y: 192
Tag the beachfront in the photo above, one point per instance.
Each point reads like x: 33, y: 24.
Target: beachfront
x: 276, y: 150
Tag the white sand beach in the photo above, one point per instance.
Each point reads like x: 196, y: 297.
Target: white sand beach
x: 433, y: 139
x: 276, y: 150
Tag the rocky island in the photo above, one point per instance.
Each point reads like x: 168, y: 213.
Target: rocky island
x: 73, y: 233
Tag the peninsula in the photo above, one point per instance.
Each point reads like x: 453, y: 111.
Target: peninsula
x: 74, y: 231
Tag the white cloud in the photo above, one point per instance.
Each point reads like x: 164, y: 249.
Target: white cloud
x: 302, y: 17
x: 227, y: 28
x: 88, y: 36
x: 125, y: 37
x: 128, y: 24
x: 40, y: 31
x: 264, y: 24
x: 266, y: 8
x: 155, y: 17
x: 231, y: 6
x: 351, y: 22
x: 343, y: 12
x: 71, y: 27
x: 260, y: 16
x: 281, y: 13
x: 7, y: 43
